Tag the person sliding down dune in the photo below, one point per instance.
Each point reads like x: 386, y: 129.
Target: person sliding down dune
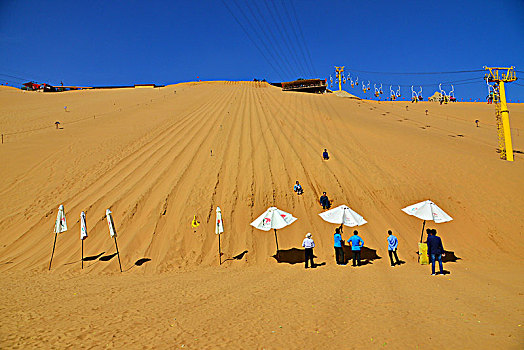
x: 298, y: 188
x: 324, y: 201
x: 325, y: 154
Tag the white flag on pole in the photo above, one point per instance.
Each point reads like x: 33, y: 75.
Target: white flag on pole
x: 219, y: 227
x: 83, y: 226
x: 60, y: 224
x: 111, y: 224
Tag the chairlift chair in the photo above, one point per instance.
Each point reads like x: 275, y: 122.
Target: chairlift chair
x: 398, y: 92
x: 414, y: 96
x: 376, y: 90
x: 451, y: 94
x: 392, y: 94
x: 443, y: 93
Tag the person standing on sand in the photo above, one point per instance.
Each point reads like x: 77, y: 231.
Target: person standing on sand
x: 392, y: 248
x: 324, y: 201
x: 308, y: 245
x: 356, y: 243
x: 325, y: 154
x: 339, y: 252
x: 435, y: 251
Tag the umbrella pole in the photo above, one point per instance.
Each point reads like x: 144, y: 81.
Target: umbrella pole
x: 53, y: 253
x: 219, y: 251
x: 276, y: 239
x: 118, y: 254
x: 422, y: 234
x: 82, y: 254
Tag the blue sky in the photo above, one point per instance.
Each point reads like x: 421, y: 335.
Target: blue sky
x: 127, y: 42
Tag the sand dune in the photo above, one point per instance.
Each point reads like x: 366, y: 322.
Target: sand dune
x: 157, y: 158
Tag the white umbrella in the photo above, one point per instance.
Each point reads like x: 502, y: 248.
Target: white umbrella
x: 112, y: 233
x: 83, y: 233
x: 427, y: 210
x: 219, y: 228
x: 343, y: 215
x: 275, y: 219
x: 60, y: 226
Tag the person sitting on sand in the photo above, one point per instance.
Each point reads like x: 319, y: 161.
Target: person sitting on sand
x: 339, y: 252
x: 308, y: 245
x: 324, y: 201
x: 356, y: 243
x: 392, y: 248
x: 298, y: 188
x: 325, y: 154
x: 435, y: 250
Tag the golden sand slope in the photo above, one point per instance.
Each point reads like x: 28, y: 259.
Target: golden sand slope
x: 146, y: 154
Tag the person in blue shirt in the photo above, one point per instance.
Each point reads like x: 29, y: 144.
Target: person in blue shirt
x: 435, y: 250
x: 325, y: 154
x: 392, y: 248
x: 356, y: 243
x: 298, y: 188
x: 339, y: 252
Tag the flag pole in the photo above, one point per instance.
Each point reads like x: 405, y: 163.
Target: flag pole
x: 276, y: 239
x: 118, y: 254
x: 219, y: 251
x: 82, y: 254
x: 422, y: 234
x: 53, y: 253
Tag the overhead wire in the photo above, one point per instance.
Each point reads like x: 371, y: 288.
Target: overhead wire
x: 273, y: 42
x: 296, y: 39
x: 12, y: 76
x: 253, y: 41
x: 272, y: 28
x: 274, y: 24
x: 286, y: 37
x: 418, y: 73
x: 304, y: 42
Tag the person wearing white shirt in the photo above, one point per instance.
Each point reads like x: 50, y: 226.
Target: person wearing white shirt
x: 308, y: 245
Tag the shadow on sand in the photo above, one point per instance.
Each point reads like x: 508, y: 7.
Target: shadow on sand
x: 367, y: 255
x: 236, y: 257
x: 139, y: 262
x: 93, y: 257
x: 107, y: 257
x: 294, y: 256
x: 450, y: 256
x: 86, y: 258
